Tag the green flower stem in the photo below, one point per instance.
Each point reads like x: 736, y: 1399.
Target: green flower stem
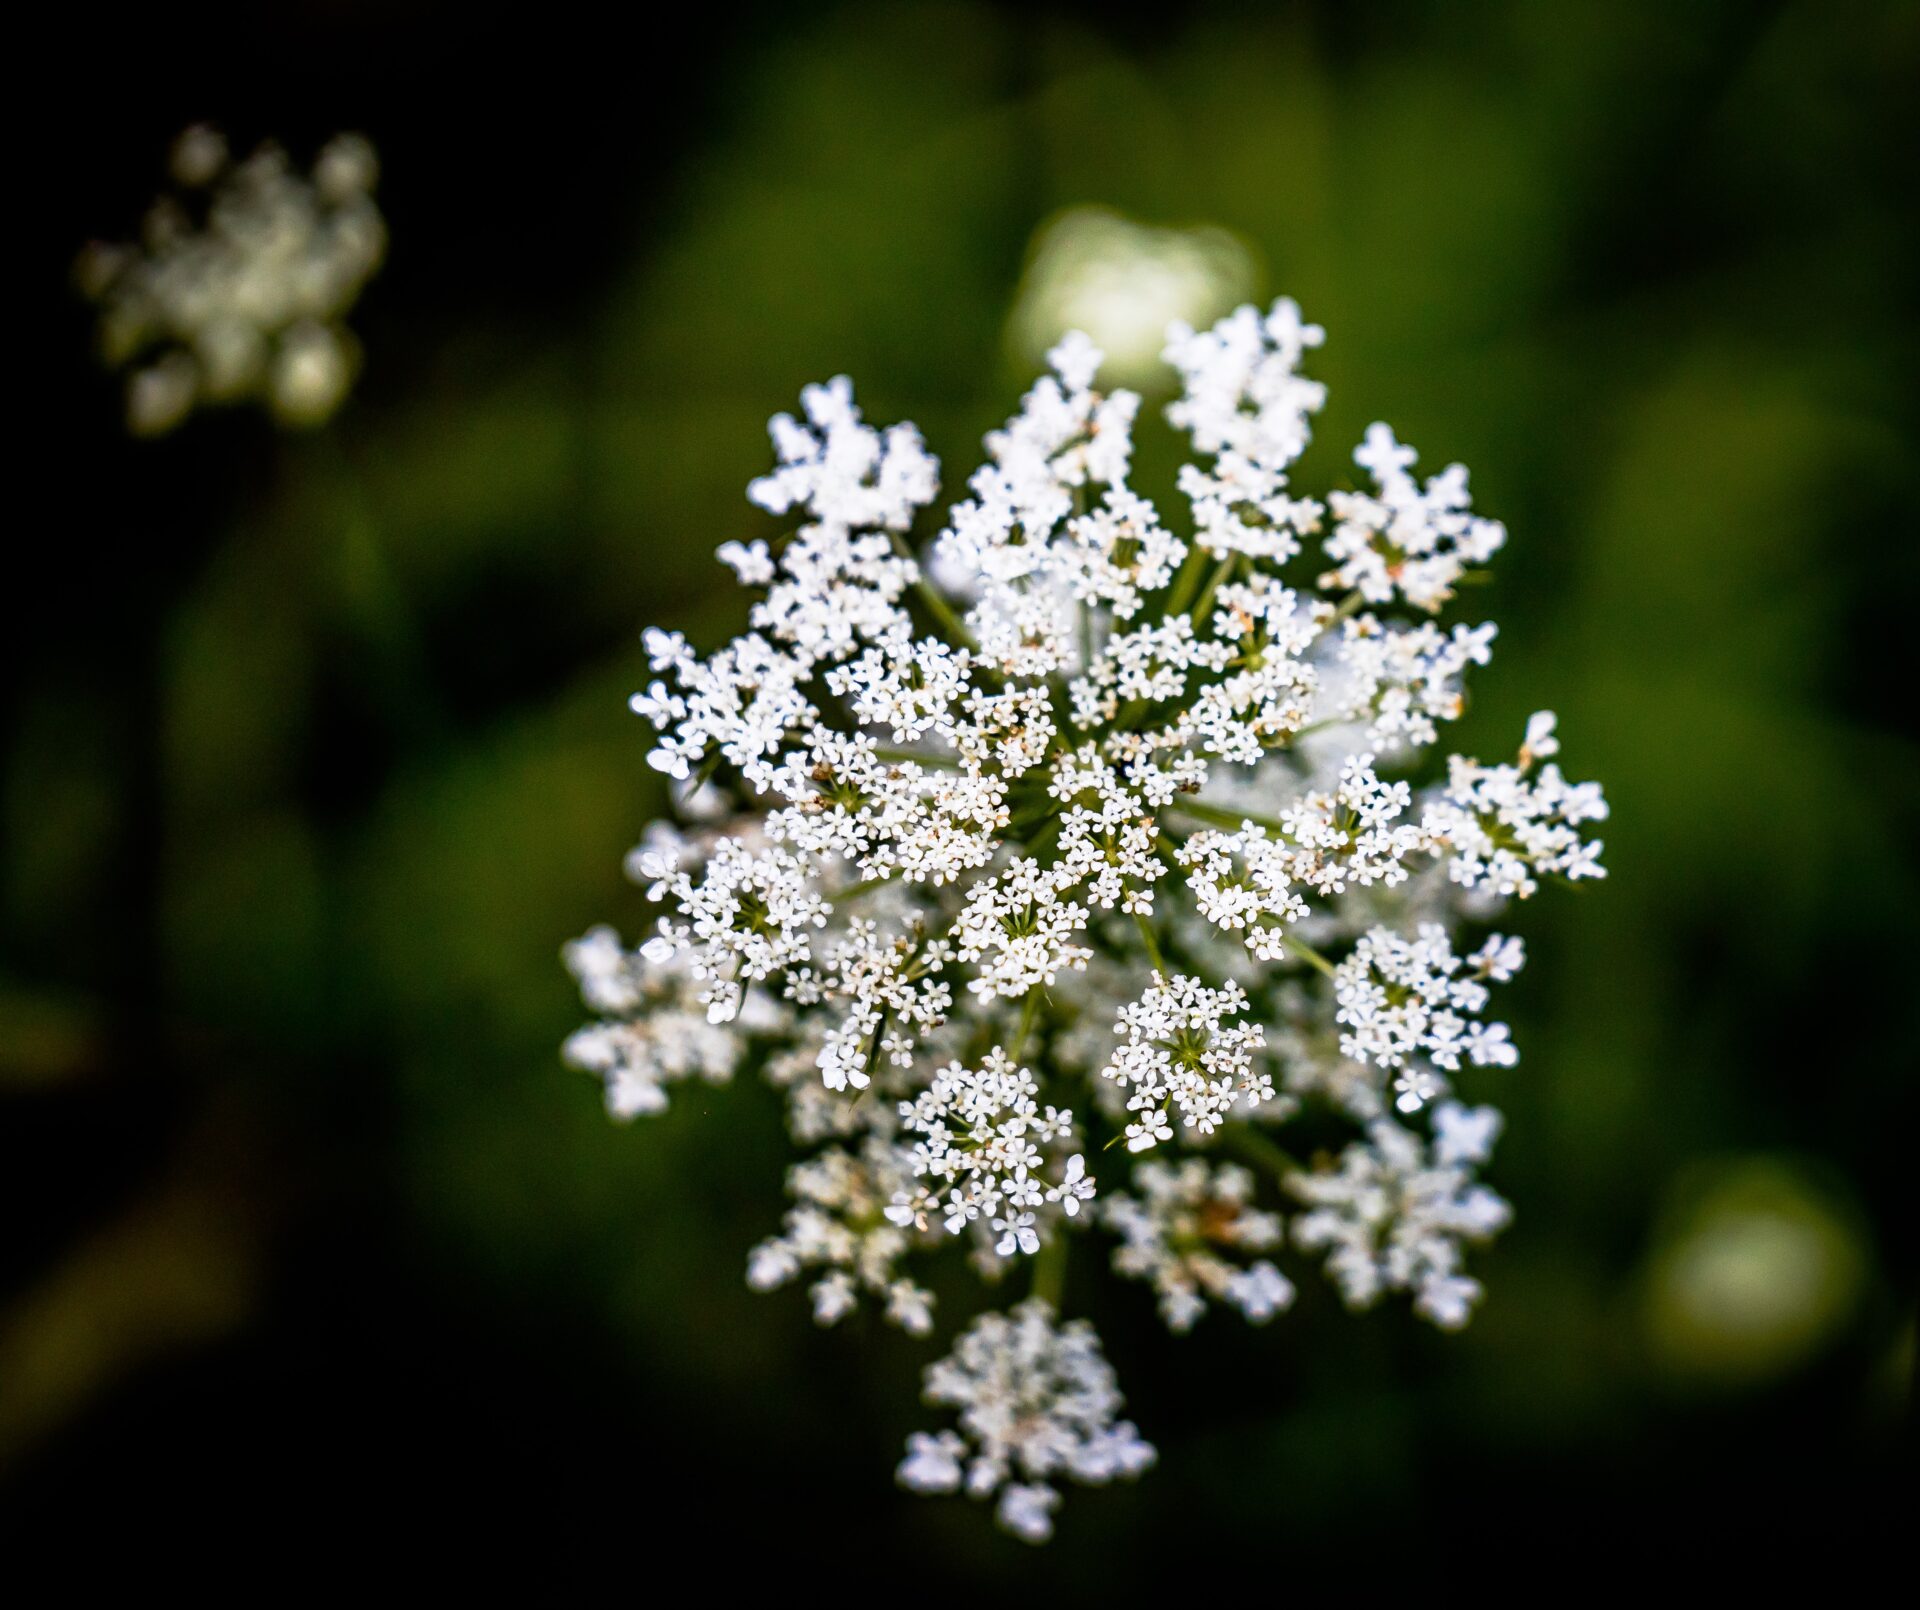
x: 873, y: 1050
x: 897, y: 757
x: 1187, y: 582
x: 1308, y: 954
x: 1315, y: 726
x: 1257, y: 1147
x: 1029, y: 1012
x: 929, y: 595
x: 1152, y: 944
x: 1220, y: 816
x: 1221, y: 572
x: 1349, y: 607
x: 1050, y: 1268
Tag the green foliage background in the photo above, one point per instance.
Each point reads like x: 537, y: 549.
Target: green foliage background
x: 316, y: 751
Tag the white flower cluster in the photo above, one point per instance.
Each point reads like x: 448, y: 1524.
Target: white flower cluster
x: 1180, y: 1230
x: 1505, y: 829
x: 840, y: 1227
x: 1406, y: 541
x: 1405, y: 999
x: 982, y: 1137
x: 241, y: 283
x: 652, y: 1032
x: 1179, y: 1056
x: 1073, y: 836
x: 1393, y: 1216
x: 1036, y: 1402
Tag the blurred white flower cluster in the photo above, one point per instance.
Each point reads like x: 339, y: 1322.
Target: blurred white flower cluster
x: 1036, y: 1400
x: 1019, y: 862
x: 1123, y: 283
x: 241, y: 283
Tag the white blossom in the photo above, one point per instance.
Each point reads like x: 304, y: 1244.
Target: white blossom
x: 1118, y: 553
x: 1036, y: 1402
x: 837, y: 1230
x: 1508, y: 826
x: 240, y: 287
x: 1403, y: 679
x: 654, y: 1031
x: 1394, y: 1214
x: 1243, y: 393
x: 1019, y: 931
x: 1179, y: 1054
x: 983, y: 1153
x: 843, y: 472
x: 1187, y: 1229
x: 1083, y: 846
x: 1405, y: 1001
x: 1406, y: 541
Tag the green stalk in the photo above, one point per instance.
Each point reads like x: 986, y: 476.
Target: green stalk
x: 1308, y: 954
x: 1187, y: 582
x: 937, y: 606
x: 1153, y: 945
x: 1256, y: 1147
x: 1029, y: 1012
x: 1050, y: 1268
x: 1349, y: 606
x: 896, y: 757
x: 1221, y: 572
x: 1220, y: 816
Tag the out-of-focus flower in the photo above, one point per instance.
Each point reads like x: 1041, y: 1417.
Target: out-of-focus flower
x: 1758, y: 1268
x: 1037, y: 1401
x: 241, y: 283
x: 1123, y: 283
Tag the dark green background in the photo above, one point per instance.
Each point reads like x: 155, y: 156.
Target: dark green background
x: 315, y: 751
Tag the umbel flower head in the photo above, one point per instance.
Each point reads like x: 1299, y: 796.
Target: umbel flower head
x: 1040, y: 864
x: 241, y: 283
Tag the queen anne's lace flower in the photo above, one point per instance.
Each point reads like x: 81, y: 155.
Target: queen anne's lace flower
x: 1402, y: 999
x: 1506, y: 827
x: 242, y: 282
x: 838, y: 1227
x: 654, y: 1031
x: 1066, y: 837
x: 1037, y: 1401
x: 1406, y: 541
x: 1406, y: 678
x: 1179, y: 1056
x: 1186, y: 1231
x: 1393, y: 1215
x: 982, y: 1153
